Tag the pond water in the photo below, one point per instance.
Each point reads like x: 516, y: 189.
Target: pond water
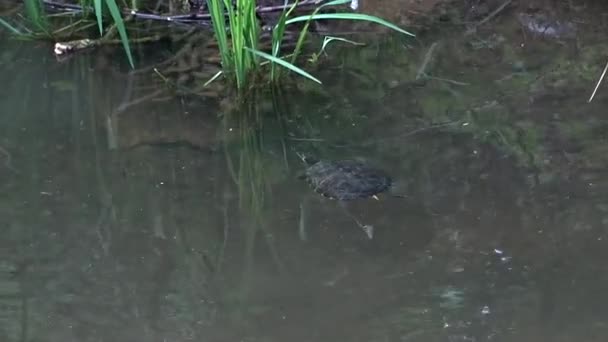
x: 131, y: 215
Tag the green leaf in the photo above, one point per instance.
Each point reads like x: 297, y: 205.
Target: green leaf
x: 329, y: 39
x: 10, y: 27
x: 120, y: 25
x: 284, y: 64
x: 278, y: 32
x: 349, y: 16
x: 35, y: 13
x: 99, y: 15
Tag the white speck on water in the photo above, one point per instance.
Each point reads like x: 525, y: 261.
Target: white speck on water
x: 485, y: 310
x: 498, y: 251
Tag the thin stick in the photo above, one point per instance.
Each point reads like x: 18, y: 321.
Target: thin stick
x: 599, y: 82
x: 183, y: 18
x: 494, y: 13
x: 427, y: 58
x: 124, y: 105
x: 489, y: 16
x: 447, y: 80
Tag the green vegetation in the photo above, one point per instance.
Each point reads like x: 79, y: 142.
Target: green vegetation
x: 238, y: 42
x: 236, y: 27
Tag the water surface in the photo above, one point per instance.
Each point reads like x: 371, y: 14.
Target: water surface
x: 130, y: 215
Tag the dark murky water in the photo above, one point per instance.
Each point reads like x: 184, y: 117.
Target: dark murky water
x: 176, y: 220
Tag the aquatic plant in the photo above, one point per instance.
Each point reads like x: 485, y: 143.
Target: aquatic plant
x: 238, y: 41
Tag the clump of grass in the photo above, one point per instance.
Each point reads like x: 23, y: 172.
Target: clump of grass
x: 243, y: 30
x: 237, y: 31
x: 238, y: 41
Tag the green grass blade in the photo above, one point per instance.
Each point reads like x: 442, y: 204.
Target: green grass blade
x: 284, y: 64
x: 216, y: 9
x: 304, y: 32
x: 120, y: 25
x: 253, y: 26
x: 251, y: 31
x: 349, y: 16
x: 10, y: 27
x: 97, y: 4
x: 236, y: 38
x: 329, y: 39
x: 36, y: 14
x: 32, y: 10
x: 278, y: 33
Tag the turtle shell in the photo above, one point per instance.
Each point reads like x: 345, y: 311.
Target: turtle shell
x: 347, y: 179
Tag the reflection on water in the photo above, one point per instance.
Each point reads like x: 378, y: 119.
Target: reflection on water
x: 179, y: 220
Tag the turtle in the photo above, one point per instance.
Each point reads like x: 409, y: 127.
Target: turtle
x: 346, y: 180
